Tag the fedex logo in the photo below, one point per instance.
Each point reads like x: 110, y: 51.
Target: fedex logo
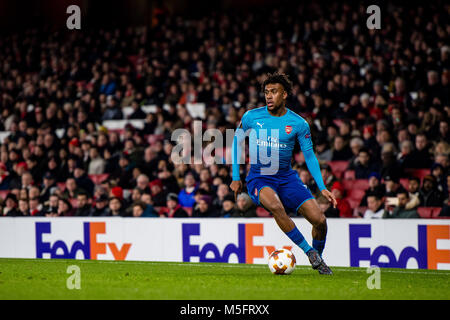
x: 245, y: 250
x: 427, y: 255
x: 89, y: 246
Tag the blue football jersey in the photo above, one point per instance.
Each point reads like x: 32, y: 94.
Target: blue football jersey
x: 272, y: 140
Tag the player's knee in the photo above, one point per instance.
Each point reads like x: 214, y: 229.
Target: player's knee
x: 277, y: 209
x: 321, y: 221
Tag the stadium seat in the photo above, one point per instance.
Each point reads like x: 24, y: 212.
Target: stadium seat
x: 349, y: 175
x: 74, y: 202
x: 354, y: 203
x: 188, y: 210
x: 425, y: 212
x: 436, y: 212
x: 358, y: 184
x: 98, y: 178
x: 4, y: 193
x: 61, y: 186
x: 354, y: 197
x: 338, y: 167
x: 419, y: 173
x: 405, y: 183
x: 261, y: 212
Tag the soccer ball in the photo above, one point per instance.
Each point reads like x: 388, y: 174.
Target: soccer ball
x: 282, y: 261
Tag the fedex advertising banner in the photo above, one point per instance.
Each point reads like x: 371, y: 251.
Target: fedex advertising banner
x: 413, y: 244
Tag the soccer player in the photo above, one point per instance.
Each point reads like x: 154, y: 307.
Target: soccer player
x: 273, y: 184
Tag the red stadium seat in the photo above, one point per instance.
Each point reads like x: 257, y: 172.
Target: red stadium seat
x: 188, y: 210
x: 405, y: 183
x: 354, y: 203
x: 338, y: 167
x: 425, y: 212
x: 419, y: 173
x: 354, y: 197
x: 436, y: 212
x: 98, y: 178
x: 261, y: 212
x: 61, y: 186
x: 349, y: 175
x: 358, y: 184
x: 73, y: 202
x: 4, y: 193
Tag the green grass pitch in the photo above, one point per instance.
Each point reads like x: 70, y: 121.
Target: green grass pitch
x: 46, y: 279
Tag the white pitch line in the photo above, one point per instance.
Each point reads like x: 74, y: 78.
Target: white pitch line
x: 200, y: 264
x: 186, y: 264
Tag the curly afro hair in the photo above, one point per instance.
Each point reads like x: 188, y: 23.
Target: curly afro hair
x: 278, y: 77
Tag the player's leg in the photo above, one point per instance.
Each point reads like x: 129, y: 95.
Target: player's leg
x: 311, y: 211
x: 294, y: 195
x: 269, y: 199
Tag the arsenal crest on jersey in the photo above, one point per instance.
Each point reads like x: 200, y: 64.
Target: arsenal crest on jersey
x: 288, y: 129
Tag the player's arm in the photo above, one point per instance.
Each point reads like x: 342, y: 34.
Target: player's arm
x: 236, y: 154
x: 304, y: 138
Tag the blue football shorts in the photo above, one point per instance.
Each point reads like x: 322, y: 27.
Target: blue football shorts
x: 290, y: 189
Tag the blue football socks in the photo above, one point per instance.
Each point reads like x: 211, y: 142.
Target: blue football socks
x: 296, y: 236
x: 319, y: 245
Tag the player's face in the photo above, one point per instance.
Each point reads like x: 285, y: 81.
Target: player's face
x: 275, y: 96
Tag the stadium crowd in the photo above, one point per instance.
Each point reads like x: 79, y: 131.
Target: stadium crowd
x: 377, y: 101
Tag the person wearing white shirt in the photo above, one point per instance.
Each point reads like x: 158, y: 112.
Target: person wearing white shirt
x: 375, y: 207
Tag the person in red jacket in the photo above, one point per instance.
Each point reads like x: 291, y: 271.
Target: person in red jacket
x: 345, y: 211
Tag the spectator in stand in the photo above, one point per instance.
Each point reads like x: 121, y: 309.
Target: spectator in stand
x: 83, y: 181
x: 429, y: 194
x: 406, y: 157
x: 341, y: 150
x: 50, y: 208
x: 142, y: 183
x: 203, y: 208
x: 35, y: 207
x: 173, y: 208
x: 23, y: 209
x: 187, y: 194
x: 115, y: 207
x: 72, y: 190
x: 138, y: 209
x: 356, y: 144
x: 413, y: 193
x: 158, y: 194
x: 48, y: 186
x: 393, y: 185
x: 100, y: 208
x: 96, y: 163
x: 65, y: 209
x: 228, y: 207
x: 375, y: 206
x: 437, y: 171
x: 10, y: 206
x: 421, y: 156
x: 222, y: 191
x: 400, y: 211
x: 363, y: 165
x: 375, y: 186
x: 4, y: 177
x: 245, y: 207
x: 327, y: 175
x: 345, y: 211
x: 149, y: 209
x: 83, y: 205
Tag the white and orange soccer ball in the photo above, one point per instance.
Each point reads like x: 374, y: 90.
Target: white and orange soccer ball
x: 282, y: 261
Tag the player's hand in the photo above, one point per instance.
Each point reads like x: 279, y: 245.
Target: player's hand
x: 330, y: 197
x: 236, y: 186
